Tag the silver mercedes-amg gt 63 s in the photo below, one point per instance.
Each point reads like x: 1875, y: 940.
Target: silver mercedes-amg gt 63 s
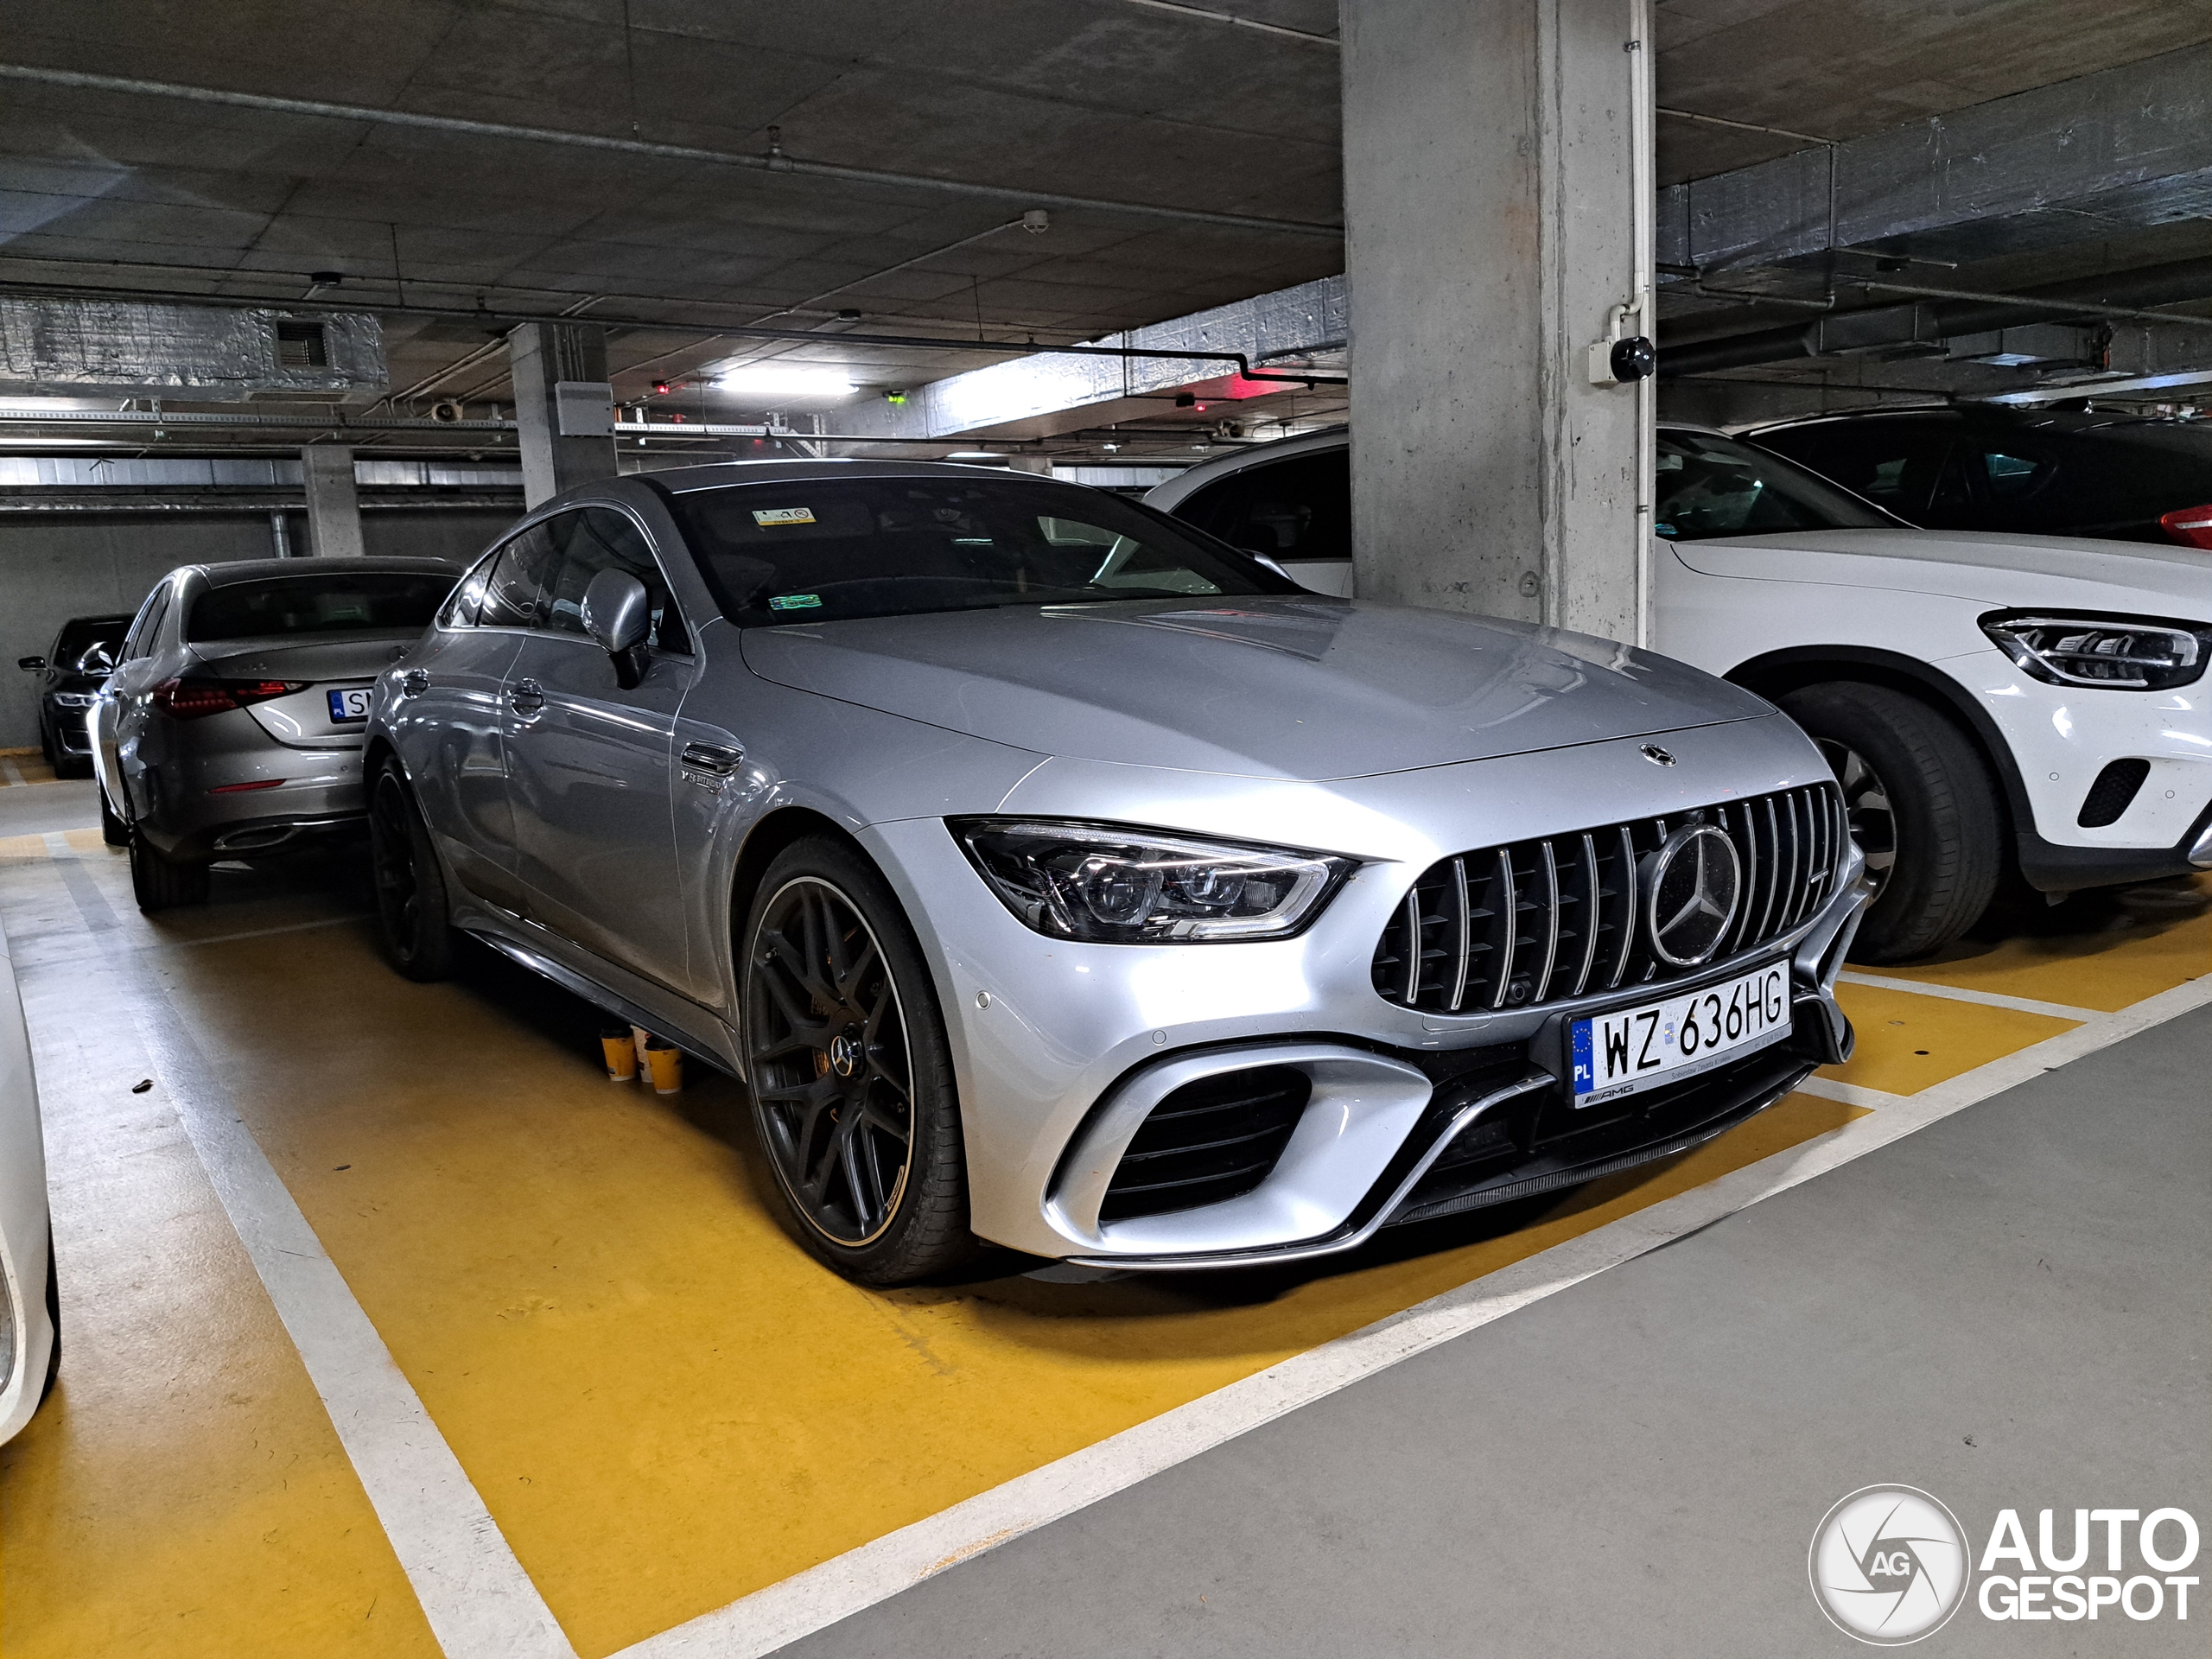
x: 1057, y: 876
x: 230, y: 726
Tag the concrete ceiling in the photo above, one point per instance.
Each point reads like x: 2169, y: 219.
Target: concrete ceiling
x: 1149, y: 103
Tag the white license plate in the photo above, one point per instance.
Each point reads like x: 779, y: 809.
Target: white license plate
x: 350, y: 704
x: 1629, y: 1048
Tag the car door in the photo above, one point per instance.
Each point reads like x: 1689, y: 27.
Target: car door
x: 588, y: 770
x: 449, y: 721
x: 123, y: 703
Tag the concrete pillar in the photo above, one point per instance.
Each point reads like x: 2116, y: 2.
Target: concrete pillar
x: 1495, y: 155
x: 333, y: 505
x: 564, y: 408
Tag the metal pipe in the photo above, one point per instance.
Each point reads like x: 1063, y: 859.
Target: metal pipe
x: 753, y: 331
x: 14, y: 501
x: 1966, y: 312
x: 774, y: 161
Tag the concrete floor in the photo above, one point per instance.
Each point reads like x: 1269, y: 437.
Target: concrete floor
x: 665, y: 1406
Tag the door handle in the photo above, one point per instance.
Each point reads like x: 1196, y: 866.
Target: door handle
x: 710, y: 764
x: 525, y: 697
x: 413, y: 683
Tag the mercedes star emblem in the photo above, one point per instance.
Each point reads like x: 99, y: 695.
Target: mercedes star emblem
x: 1658, y: 756
x: 1692, y: 885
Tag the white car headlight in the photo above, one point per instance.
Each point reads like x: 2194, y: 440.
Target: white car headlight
x: 75, y: 699
x: 2118, y: 653
x: 1111, y: 884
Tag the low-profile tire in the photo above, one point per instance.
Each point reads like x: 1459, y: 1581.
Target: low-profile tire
x: 113, y: 831
x: 53, y: 1319
x: 72, y: 765
x: 47, y: 752
x: 851, y: 1076
x: 1923, y: 805
x: 159, y: 882
x: 414, y: 922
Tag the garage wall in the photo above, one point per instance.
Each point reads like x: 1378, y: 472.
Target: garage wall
x: 90, y: 564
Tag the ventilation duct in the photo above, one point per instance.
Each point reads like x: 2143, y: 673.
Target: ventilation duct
x: 192, y: 354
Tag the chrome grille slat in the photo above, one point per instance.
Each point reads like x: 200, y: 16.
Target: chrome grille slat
x: 1540, y: 984
x: 1507, y: 900
x: 1524, y: 924
x: 1589, y: 870
x: 1625, y: 916
x: 1465, y: 931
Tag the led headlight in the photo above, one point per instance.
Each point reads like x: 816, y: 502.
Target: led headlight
x: 2120, y: 654
x: 1109, y: 885
x: 74, y: 699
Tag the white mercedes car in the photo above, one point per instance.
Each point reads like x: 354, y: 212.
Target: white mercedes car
x: 31, y: 1314
x: 1993, y: 705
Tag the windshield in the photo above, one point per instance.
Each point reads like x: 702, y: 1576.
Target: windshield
x: 386, y: 601
x: 1710, y: 485
x: 79, y: 636
x: 827, y: 548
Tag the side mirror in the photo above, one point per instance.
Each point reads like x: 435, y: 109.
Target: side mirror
x: 618, y: 614
x: 31, y: 665
x: 98, y: 660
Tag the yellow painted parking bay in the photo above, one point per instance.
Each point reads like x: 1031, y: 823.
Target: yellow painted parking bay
x: 665, y: 1404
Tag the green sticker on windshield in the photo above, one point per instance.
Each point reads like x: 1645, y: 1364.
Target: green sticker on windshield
x: 795, y: 603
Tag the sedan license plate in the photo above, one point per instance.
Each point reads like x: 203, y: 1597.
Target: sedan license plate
x: 350, y: 704
x: 1629, y: 1049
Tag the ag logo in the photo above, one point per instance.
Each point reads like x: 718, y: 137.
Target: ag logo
x: 1889, y: 1565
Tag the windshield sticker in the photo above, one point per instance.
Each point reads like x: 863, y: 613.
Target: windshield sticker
x: 796, y: 602
x: 765, y: 516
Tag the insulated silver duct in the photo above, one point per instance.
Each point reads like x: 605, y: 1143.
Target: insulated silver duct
x: 135, y: 348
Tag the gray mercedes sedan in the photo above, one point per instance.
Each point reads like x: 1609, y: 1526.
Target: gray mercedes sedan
x: 1057, y: 876
x: 231, y: 727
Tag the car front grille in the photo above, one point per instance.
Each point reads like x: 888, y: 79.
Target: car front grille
x: 1537, y: 921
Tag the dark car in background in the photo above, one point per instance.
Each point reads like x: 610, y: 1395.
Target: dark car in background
x: 2039, y: 471
x: 70, y: 673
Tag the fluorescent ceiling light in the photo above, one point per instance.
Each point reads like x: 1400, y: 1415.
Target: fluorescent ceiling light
x: 974, y: 455
x: 791, y: 380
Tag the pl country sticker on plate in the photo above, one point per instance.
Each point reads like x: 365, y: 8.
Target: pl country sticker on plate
x: 769, y: 516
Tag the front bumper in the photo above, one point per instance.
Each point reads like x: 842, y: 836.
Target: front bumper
x: 1060, y: 1049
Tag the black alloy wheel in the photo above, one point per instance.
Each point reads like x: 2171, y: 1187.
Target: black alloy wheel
x: 849, y: 1071
x: 412, y: 921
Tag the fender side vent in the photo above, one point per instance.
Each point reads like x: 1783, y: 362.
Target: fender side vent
x: 2113, y: 793
x: 1208, y: 1141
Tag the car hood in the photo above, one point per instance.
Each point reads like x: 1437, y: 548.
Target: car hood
x: 1987, y: 566
x: 1271, y: 688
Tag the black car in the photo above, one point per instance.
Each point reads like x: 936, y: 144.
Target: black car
x: 2035, y: 471
x: 69, y: 678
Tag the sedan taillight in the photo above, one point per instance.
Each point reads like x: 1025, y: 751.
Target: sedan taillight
x: 2190, y: 526
x: 188, y: 696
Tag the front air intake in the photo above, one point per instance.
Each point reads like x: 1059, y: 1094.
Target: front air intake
x: 1208, y: 1141
x: 1538, y: 921
x: 2113, y: 793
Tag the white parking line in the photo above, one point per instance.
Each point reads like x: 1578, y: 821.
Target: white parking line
x: 1955, y: 994
x: 808, y: 1601
x: 478, y: 1601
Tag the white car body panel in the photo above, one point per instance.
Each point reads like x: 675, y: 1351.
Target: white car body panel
x: 25, y: 1236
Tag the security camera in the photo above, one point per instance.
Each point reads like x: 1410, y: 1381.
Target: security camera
x: 1616, y: 362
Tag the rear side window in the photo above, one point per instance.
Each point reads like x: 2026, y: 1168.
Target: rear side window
x: 381, y: 601
x: 1291, y: 511
x: 514, y: 594
x: 596, y: 539
x: 139, y: 642
x: 1711, y: 485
